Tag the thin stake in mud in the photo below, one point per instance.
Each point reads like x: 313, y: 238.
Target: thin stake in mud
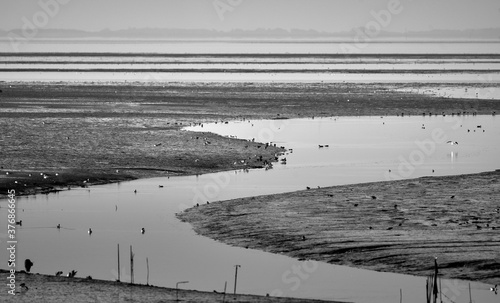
x: 118, y: 262
x: 224, y: 296
x: 147, y: 267
x: 131, y: 266
x: 236, y: 277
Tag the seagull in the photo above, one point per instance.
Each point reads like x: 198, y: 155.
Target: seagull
x: 90, y: 231
x: 143, y: 230
x: 452, y: 142
x: 494, y: 289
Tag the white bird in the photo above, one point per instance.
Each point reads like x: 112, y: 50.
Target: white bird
x: 452, y: 142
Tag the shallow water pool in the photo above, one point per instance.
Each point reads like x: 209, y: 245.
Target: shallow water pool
x: 360, y: 149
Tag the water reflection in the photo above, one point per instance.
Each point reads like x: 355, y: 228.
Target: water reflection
x: 359, y: 150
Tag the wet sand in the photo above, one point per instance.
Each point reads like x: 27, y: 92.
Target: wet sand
x: 85, y: 134
x: 101, y: 133
x: 396, y: 226
x: 45, y: 288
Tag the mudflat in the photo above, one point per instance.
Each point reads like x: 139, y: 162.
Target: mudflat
x: 44, y: 288
x: 393, y: 226
x: 60, y: 135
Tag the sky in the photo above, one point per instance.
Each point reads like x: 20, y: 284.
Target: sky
x: 320, y: 15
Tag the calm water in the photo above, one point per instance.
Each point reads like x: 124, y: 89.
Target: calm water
x: 282, y: 61
x: 360, y: 150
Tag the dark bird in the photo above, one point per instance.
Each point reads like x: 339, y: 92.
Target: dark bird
x: 452, y: 197
x: 308, y: 187
x: 303, y: 238
x: 135, y: 191
x: 90, y: 231
x: 23, y: 286
x: 373, y: 197
x: 58, y: 226
x: 72, y: 274
x: 59, y: 273
x: 28, y: 264
x: 143, y: 230
x: 389, y: 228
x: 494, y: 289
x: 20, y: 222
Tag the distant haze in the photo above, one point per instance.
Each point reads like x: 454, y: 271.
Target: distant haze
x: 325, y: 16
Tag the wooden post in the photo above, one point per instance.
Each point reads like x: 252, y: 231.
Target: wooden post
x: 400, y: 295
x: 435, y: 286
x: 470, y: 295
x: 224, y: 297
x: 118, y: 262
x: 440, y: 291
x: 147, y: 265
x: 236, y: 277
x: 427, y: 291
x: 131, y: 266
